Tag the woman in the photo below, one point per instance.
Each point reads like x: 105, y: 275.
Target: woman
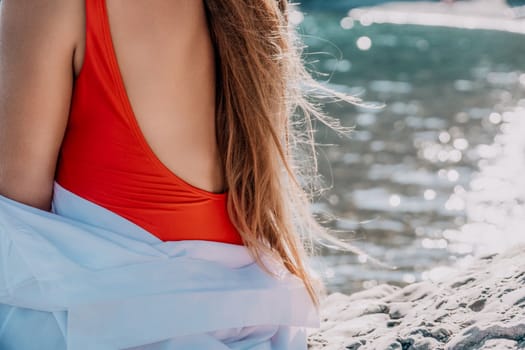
x: 148, y: 190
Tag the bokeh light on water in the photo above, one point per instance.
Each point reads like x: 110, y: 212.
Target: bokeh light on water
x: 436, y: 176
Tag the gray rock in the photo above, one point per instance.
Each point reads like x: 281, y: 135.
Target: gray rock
x: 480, y: 307
x: 499, y: 344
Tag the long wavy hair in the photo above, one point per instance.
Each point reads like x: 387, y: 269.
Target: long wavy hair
x: 264, y: 132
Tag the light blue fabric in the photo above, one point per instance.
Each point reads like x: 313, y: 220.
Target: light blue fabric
x: 83, y: 278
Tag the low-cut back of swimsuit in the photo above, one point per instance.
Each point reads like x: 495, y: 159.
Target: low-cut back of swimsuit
x: 106, y: 159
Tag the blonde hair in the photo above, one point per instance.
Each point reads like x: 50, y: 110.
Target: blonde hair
x: 265, y: 134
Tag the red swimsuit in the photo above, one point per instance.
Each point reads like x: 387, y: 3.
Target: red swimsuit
x: 106, y: 159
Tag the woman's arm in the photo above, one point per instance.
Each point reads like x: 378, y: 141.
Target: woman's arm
x: 38, y: 39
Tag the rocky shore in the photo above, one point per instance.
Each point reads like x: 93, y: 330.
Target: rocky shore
x: 479, y: 307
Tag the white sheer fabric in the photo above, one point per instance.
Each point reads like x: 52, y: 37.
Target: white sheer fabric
x: 84, y: 278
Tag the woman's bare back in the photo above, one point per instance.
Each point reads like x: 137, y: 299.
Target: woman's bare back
x: 166, y: 59
x: 167, y: 63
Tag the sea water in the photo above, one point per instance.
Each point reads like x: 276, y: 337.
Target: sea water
x: 433, y: 178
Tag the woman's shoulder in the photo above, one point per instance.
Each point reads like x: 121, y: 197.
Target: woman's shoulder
x: 38, y: 40
x: 61, y: 22
x: 44, y: 17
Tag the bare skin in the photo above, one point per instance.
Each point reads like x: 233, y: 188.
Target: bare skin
x: 166, y: 58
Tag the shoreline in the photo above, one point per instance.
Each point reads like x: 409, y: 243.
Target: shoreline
x: 479, y: 306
